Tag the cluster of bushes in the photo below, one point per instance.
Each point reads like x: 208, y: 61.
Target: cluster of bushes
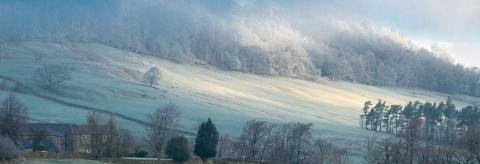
x: 8, y: 150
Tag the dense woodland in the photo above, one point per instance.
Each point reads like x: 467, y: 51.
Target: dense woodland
x: 228, y: 38
x: 422, y: 133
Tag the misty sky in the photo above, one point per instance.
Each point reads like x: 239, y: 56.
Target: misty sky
x: 446, y: 27
x: 449, y: 25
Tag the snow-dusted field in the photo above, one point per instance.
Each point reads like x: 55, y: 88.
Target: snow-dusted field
x: 62, y: 161
x: 111, y: 79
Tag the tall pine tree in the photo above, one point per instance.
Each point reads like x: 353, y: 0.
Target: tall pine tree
x: 206, y: 140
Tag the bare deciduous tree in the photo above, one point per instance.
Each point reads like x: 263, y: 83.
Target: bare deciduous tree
x: 290, y: 143
x: 111, y: 131
x: 51, y: 76
x: 253, y: 134
x: 470, y: 143
x: 327, y: 153
x: 405, y: 148
x: 161, y: 125
x: 125, y: 142
x: 302, y: 140
x: 384, y: 150
x: 118, y: 142
x: 13, y: 115
x: 151, y: 76
x: 92, y: 128
x: 226, y: 147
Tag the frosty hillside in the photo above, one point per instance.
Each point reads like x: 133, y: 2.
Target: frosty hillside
x: 112, y: 79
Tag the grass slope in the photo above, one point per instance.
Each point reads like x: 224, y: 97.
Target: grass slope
x: 111, y: 79
x: 62, y: 161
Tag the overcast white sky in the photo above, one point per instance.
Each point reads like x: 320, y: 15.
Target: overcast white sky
x: 452, y: 24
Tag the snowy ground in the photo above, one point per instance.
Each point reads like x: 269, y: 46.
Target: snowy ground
x: 62, y: 161
x: 111, y: 79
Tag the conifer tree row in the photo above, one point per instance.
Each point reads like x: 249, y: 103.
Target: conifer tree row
x: 437, y: 119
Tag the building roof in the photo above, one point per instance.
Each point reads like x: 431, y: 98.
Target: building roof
x: 54, y: 129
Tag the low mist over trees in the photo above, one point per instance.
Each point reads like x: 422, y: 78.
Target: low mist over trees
x: 232, y: 39
x: 394, y: 65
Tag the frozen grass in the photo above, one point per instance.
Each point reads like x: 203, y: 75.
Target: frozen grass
x: 62, y: 161
x: 110, y: 79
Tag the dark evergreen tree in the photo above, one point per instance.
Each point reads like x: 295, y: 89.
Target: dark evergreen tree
x: 206, y: 140
x: 448, y: 125
x: 363, y: 117
x: 370, y: 119
x: 432, y: 117
x: 396, y: 119
x: 177, y: 149
x: 408, y: 111
x: 437, y: 119
x: 387, y: 119
x: 417, y: 113
x: 379, y: 110
x: 450, y: 111
x: 468, y: 116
